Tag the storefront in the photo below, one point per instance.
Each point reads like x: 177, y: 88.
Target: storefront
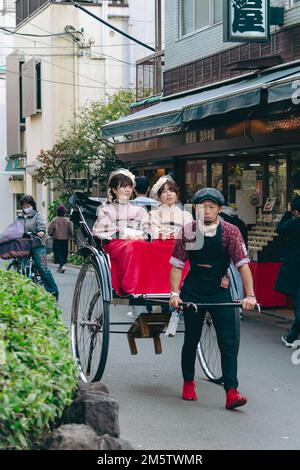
x: 251, y: 153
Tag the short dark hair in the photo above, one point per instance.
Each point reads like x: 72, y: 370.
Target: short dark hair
x: 141, y: 184
x: 295, y: 203
x: 27, y: 199
x: 119, y: 181
x: 172, y: 186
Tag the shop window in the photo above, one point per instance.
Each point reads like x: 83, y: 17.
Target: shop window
x: 195, y: 177
x: 245, y: 180
x: 295, y: 174
x: 217, y: 175
x: 277, y: 182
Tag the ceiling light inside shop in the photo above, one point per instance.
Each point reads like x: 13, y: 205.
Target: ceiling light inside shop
x: 231, y: 154
x: 254, y: 164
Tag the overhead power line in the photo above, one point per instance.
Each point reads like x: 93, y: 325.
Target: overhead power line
x: 77, y: 5
x: 39, y: 35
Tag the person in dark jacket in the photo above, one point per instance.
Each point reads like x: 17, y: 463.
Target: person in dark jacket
x: 230, y: 215
x: 61, y: 229
x: 33, y: 221
x: 141, y: 191
x: 288, y: 280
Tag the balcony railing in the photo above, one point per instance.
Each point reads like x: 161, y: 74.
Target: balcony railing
x: 149, y: 75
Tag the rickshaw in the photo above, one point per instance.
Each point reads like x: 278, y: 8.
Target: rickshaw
x: 91, y: 324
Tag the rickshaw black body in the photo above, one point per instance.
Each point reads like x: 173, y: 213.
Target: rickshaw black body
x: 91, y: 324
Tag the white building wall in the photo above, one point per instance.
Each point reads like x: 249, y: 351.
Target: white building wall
x: 210, y: 40
x: 7, y: 20
x: 100, y: 64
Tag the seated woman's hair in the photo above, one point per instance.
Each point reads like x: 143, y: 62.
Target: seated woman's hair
x: 27, y: 199
x: 118, y: 181
x: 172, y: 186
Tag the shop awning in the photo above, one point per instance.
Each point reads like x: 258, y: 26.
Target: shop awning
x: 287, y: 88
x: 213, y: 101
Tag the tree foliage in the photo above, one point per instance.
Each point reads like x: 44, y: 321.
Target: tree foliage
x: 81, y: 150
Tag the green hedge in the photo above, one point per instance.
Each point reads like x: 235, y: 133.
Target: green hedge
x: 37, y: 373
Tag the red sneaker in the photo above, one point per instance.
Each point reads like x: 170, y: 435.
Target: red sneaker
x: 188, y: 391
x: 234, y: 399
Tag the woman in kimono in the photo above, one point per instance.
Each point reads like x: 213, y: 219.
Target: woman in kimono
x: 126, y: 228
x: 118, y: 219
x: 168, y: 218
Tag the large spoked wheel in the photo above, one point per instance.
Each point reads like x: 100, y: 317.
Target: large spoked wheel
x: 90, y: 324
x: 208, y: 351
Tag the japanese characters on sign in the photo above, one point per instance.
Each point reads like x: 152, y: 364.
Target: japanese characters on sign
x: 202, y: 135
x: 246, y: 20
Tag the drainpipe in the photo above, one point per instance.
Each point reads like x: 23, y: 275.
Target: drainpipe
x: 158, y: 45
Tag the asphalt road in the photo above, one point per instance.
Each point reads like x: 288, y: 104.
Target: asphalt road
x: 148, y: 388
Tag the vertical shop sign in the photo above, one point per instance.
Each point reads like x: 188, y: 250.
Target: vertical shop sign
x: 246, y: 20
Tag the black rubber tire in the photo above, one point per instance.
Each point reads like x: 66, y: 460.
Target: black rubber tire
x: 83, y: 309
x: 208, y: 352
x: 14, y: 265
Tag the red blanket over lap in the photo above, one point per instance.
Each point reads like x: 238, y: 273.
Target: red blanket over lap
x: 140, y: 267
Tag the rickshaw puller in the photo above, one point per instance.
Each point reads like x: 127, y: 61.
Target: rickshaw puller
x: 207, y: 282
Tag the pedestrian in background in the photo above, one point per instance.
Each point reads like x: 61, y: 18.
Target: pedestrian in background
x: 288, y: 280
x: 61, y: 230
x: 35, y: 223
x: 141, y: 191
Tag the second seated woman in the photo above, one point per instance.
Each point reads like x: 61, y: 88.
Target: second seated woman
x: 168, y: 218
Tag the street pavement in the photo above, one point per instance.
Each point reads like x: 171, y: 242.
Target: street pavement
x: 148, y: 388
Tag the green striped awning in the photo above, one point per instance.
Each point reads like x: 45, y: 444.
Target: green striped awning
x: 214, y: 100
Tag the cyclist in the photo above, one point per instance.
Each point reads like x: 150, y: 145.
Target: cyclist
x: 209, y: 244
x: 34, y: 222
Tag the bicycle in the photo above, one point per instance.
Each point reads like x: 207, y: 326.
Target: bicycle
x: 26, y: 266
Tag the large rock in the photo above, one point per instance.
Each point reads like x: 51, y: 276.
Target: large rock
x: 95, y: 408
x: 96, y: 387
x: 73, y: 437
x: 107, y: 442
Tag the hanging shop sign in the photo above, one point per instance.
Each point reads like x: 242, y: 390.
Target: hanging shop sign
x: 250, y: 20
x: 246, y: 20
